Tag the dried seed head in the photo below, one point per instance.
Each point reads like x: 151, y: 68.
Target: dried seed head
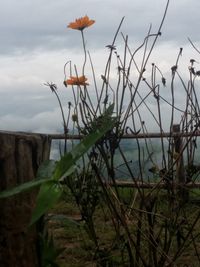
x: 74, y: 117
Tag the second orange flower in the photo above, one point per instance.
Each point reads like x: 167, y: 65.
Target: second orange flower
x: 76, y: 81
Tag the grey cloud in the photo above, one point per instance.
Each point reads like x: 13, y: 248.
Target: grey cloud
x: 44, y: 122
x: 28, y: 25
x: 26, y: 104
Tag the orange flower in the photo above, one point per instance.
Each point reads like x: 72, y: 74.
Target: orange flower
x: 76, y: 81
x: 81, y: 23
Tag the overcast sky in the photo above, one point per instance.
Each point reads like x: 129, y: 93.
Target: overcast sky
x: 36, y: 43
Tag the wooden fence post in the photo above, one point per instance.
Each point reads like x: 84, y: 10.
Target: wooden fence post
x: 20, y: 157
x: 180, y: 169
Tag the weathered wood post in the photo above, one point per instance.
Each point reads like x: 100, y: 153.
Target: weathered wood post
x: 20, y: 157
x: 180, y: 169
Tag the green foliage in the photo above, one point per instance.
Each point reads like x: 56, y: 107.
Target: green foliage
x: 48, y: 196
x: 49, y: 251
x: 44, y: 175
x: 22, y: 188
x: 67, y: 163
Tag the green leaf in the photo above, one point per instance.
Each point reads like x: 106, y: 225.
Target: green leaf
x: 49, y: 251
x: 49, y: 194
x: 22, y: 188
x: 44, y: 174
x: 69, y: 160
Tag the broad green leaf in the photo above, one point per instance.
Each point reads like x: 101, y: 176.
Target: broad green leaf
x: 70, y: 159
x: 22, y: 188
x: 68, y: 172
x: 44, y: 174
x: 49, y: 251
x: 49, y: 194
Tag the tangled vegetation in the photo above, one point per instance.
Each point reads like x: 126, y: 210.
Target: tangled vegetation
x: 143, y: 224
